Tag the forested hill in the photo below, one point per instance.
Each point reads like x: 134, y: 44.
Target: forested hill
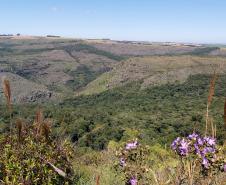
x: 50, y: 69
x: 101, y: 90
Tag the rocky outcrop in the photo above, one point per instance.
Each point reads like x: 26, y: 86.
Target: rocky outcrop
x: 37, y: 97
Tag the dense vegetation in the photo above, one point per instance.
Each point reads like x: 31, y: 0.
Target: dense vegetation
x: 105, y: 122
x: 82, y: 76
x: 117, y: 137
x: 30, y: 156
x: 203, y: 51
x: 159, y: 114
x: 91, y: 49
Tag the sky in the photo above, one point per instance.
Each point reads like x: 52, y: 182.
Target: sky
x: 197, y: 21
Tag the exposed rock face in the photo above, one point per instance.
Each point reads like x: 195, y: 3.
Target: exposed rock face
x: 25, y: 91
x: 37, y: 96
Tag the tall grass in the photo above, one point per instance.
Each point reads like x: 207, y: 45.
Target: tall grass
x: 7, y: 93
x: 98, y: 180
x: 225, y: 114
x: 209, y: 101
x: 8, y: 96
x: 38, y: 120
x: 19, y: 125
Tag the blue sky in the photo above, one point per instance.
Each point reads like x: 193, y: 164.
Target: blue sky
x: 202, y: 21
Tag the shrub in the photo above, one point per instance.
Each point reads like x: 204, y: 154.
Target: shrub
x: 201, y: 159
x: 31, y: 156
x: 133, y: 160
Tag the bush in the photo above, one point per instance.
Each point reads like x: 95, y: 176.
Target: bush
x: 31, y: 156
x: 133, y: 161
x: 202, y: 160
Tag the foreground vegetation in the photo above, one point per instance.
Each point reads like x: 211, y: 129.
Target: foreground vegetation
x: 31, y: 156
x: 104, y: 128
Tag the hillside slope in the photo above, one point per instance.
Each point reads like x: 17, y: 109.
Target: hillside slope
x: 50, y: 66
x: 158, y: 113
x: 44, y: 69
x: 156, y: 70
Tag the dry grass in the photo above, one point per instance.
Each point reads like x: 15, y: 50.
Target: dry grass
x: 7, y: 93
x: 98, y: 180
x: 225, y: 114
x: 209, y: 101
x: 46, y: 126
x: 38, y: 120
x: 43, y: 126
x: 212, y: 88
x: 39, y: 116
x: 19, y: 125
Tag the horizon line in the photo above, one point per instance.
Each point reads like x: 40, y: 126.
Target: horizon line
x: 110, y: 39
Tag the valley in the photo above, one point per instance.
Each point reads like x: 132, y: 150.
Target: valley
x: 49, y: 69
x: 93, y: 96
x: 106, y: 87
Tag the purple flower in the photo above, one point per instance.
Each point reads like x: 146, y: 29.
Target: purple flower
x: 175, y: 143
x: 132, y: 145
x: 133, y: 181
x: 197, y: 150
x: 201, y: 146
x: 209, y: 150
x: 200, y: 141
x: 210, y: 141
x: 184, y: 146
x: 205, y: 162
x: 122, y: 162
x: 193, y: 136
x: 225, y: 167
